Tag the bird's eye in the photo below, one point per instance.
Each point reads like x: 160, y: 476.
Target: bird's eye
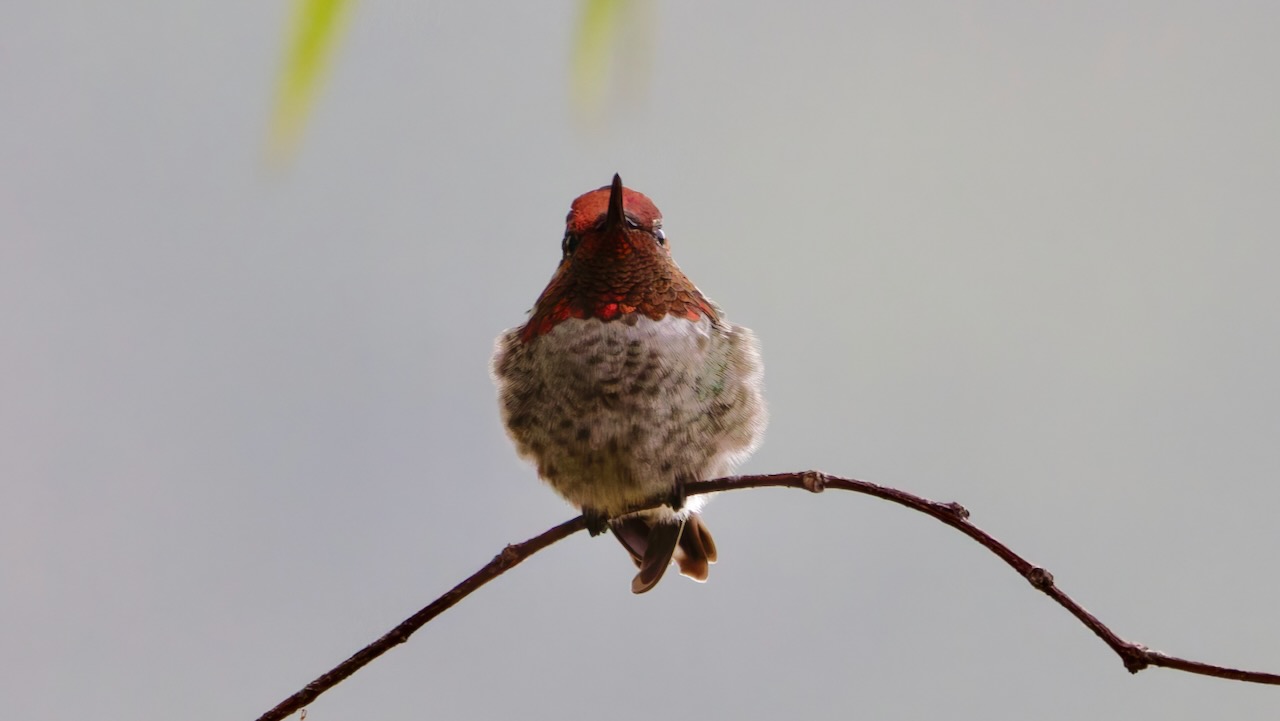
x: 661, y: 236
x: 569, y: 244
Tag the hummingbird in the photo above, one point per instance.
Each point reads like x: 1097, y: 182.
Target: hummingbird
x: 626, y: 383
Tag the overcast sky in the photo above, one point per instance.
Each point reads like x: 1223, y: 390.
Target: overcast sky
x: 1015, y: 255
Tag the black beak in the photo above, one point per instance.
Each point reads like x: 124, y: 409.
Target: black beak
x: 615, y: 217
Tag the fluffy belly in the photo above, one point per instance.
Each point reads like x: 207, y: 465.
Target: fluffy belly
x: 617, y: 413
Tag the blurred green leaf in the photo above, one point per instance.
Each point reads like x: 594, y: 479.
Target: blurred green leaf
x: 597, y: 33
x: 313, y: 33
x: 608, y: 29
x: 614, y: 38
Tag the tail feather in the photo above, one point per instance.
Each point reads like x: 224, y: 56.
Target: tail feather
x: 696, y: 551
x: 633, y: 533
x: 657, y: 555
x: 652, y: 546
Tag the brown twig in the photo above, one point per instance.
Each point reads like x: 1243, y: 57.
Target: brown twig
x: 510, y: 557
x: 1135, y: 656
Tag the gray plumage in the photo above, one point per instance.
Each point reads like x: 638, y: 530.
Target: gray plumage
x: 622, y: 412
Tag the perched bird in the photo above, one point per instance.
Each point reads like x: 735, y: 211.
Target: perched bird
x: 626, y: 383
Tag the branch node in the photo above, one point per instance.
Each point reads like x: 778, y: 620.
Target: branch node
x: 814, y: 481
x: 1040, y: 578
x: 958, y: 511
x: 1135, y: 657
x: 509, y: 557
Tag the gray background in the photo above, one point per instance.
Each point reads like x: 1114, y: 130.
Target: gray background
x: 1014, y: 255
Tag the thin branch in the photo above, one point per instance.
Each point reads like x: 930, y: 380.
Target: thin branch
x: 510, y: 557
x: 1135, y: 656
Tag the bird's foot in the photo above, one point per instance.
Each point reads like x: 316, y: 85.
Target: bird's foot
x: 677, y: 498
x: 597, y: 522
